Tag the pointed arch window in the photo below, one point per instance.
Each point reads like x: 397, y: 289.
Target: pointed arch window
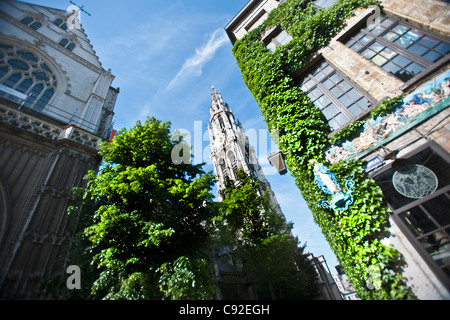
x: 221, y: 123
x: 233, y: 161
x: 223, y: 168
x: 27, y: 73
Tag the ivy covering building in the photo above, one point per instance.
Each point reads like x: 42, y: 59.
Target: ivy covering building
x: 359, y: 93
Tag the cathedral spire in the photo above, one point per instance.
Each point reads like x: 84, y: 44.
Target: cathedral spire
x: 217, y: 101
x: 231, y: 149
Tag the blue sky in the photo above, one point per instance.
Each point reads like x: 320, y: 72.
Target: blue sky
x: 166, y: 55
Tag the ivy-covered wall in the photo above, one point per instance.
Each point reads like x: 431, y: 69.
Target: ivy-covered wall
x: 355, y: 234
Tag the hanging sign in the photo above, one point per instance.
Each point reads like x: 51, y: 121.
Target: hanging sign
x: 417, y: 182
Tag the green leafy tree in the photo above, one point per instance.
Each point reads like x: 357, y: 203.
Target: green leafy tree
x: 143, y: 220
x: 261, y: 239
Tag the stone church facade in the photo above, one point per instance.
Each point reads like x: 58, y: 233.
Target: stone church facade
x: 56, y: 106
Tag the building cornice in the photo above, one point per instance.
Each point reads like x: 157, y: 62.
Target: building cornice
x: 41, y: 39
x: 47, y: 129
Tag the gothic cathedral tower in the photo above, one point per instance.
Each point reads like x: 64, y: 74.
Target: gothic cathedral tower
x: 230, y: 148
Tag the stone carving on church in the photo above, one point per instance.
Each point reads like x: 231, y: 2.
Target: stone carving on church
x: 52, y: 238
x: 85, y: 138
x: 45, y: 129
x: 29, y: 123
x: 424, y: 102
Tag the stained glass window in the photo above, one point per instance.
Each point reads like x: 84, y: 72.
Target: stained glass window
x: 27, y: 73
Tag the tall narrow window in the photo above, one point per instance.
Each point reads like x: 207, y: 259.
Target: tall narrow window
x: 399, y: 48
x: 234, y: 165
x: 336, y: 97
x: 221, y: 123
x: 223, y: 168
x: 25, y: 72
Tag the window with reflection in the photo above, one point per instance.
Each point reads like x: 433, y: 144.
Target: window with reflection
x: 279, y: 40
x: 399, y: 48
x: 323, y: 4
x: 337, y: 98
x: 27, y: 73
x: 417, y: 189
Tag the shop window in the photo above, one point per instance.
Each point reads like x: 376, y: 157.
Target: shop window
x: 417, y: 188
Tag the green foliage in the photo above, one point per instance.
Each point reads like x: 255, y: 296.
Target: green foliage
x: 242, y: 209
x: 347, y: 133
x: 143, y: 220
x: 144, y: 225
x: 280, y: 269
x: 354, y: 235
x: 186, y: 279
x: 385, y: 107
x: 261, y: 239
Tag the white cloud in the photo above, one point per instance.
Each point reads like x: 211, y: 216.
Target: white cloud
x: 193, y: 66
x: 144, y: 112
